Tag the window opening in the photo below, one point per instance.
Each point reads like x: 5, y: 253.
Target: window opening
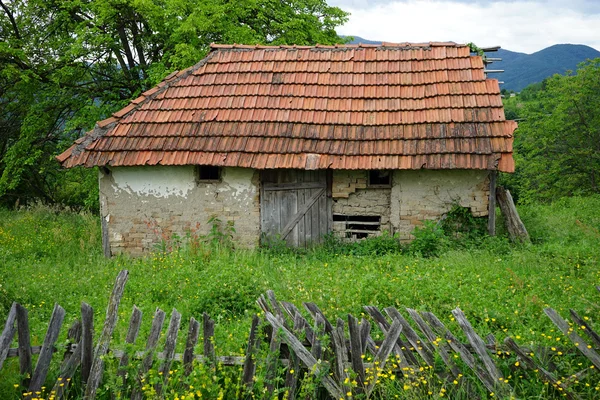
x: 378, y: 178
x: 359, y: 226
x: 208, y: 173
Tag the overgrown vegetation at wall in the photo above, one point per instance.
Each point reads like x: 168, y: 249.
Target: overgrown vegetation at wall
x: 50, y: 256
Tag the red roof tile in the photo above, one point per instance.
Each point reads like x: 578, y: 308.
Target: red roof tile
x: 395, y: 106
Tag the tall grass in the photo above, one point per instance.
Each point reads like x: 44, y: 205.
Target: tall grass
x: 49, y: 257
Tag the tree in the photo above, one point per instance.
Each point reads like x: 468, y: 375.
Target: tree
x: 65, y: 64
x: 557, y: 145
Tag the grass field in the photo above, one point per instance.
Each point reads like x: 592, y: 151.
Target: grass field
x: 48, y: 257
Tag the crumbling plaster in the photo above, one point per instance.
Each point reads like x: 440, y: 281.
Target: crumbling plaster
x: 146, y: 205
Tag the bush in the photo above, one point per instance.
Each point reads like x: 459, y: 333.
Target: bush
x: 429, y: 241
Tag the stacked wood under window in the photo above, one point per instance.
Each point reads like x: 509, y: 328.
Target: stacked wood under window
x: 355, y: 227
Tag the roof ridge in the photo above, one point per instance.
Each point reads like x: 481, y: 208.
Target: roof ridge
x: 407, y: 45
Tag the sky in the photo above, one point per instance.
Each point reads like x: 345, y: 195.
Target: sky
x: 523, y: 26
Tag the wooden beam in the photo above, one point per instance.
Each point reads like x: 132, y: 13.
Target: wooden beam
x: 492, y: 205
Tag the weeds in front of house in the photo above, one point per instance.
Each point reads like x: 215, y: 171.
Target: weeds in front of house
x: 49, y: 256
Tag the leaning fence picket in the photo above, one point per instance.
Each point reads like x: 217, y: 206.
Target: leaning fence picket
x: 8, y: 333
x: 25, y: 366
x: 157, y: 324
x: 87, y: 340
x: 43, y: 362
x: 293, y: 343
x: 192, y: 339
x: 132, y: 333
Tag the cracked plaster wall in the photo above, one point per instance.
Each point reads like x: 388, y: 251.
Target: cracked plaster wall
x: 145, y: 205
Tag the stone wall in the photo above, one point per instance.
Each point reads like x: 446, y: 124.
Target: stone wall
x: 352, y: 197
x: 427, y: 195
x: 415, y: 196
x: 146, y: 205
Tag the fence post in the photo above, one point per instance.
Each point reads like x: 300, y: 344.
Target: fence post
x: 41, y: 368
x: 8, y: 333
x: 112, y: 314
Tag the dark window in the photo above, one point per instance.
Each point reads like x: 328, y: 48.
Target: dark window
x: 208, y: 173
x: 378, y: 178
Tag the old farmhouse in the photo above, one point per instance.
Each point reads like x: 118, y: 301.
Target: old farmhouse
x: 297, y: 141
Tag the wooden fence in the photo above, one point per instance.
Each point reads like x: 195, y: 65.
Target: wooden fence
x: 295, y: 344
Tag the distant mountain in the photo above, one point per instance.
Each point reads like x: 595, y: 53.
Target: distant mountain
x: 358, y: 39
x: 521, y: 70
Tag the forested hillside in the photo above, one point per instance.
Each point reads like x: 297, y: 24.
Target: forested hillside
x: 557, y: 144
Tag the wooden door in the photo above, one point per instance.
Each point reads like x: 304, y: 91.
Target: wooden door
x: 295, y: 206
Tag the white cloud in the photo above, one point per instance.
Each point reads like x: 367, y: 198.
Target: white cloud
x: 519, y: 26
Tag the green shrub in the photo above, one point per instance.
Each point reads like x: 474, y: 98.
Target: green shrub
x: 430, y: 240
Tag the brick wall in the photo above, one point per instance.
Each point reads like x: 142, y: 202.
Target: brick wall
x: 145, y: 205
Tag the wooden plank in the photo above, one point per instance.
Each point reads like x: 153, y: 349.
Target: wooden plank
x: 384, y: 352
x: 356, y: 359
x: 25, y: 367
x: 313, y: 212
x: 462, y: 351
x: 315, y: 311
x: 43, y: 362
x: 595, y: 338
x: 190, y: 344
x: 271, y: 361
x: 301, y: 197
x: 105, y: 237
x: 8, y: 333
x: 300, y: 213
x: 478, y: 344
x: 572, y: 334
x: 66, y: 371
x: 544, y: 374
x: 169, y: 351
x: 402, y: 349
x: 112, y: 315
x: 275, y: 306
x: 365, y: 337
x: 324, y: 211
x: 208, y: 328
x: 132, y: 333
x: 293, y: 186
x: 309, y: 361
x: 148, y: 357
x: 251, y: 349
x: 87, y: 345
x: 514, y: 225
x: 492, y: 205
x: 340, y: 355
x: 415, y: 340
x: 442, y: 348
x: 293, y: 370
x: 316, y: 347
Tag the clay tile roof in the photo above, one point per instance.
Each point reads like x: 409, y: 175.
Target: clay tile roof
x: 389, y: 106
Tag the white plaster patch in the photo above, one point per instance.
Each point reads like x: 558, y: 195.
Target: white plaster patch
x: 154, y: 181
x: 236, y: 180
